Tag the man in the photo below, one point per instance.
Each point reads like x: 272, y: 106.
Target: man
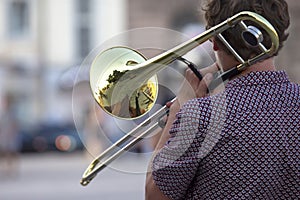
x: 10, y: 143
x: 242, y: 143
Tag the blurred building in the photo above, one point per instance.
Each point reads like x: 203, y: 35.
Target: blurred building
x: 39, y: 39
x: 289, y: 57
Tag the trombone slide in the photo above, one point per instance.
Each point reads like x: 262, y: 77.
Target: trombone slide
x: 144, y: 70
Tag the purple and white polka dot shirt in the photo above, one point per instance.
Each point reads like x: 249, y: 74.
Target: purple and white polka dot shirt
x: 240, y: 144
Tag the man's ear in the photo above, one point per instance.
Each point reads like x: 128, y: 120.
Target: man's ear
x: 215, y: 45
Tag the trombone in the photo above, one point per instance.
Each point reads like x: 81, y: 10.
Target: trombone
x: 125, y: 85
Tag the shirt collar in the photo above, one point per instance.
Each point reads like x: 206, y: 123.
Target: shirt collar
x: 259, y: 78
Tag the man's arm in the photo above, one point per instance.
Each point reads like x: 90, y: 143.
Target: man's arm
x: 152, y: 191
x: 191, y: 88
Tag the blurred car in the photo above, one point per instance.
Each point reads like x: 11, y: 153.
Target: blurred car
x: 26, y: 138
x: 64, y: 138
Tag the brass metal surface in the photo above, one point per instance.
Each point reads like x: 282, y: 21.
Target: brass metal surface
x: 120, y: 75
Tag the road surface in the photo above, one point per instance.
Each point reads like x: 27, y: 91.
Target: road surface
x: 49, y: 176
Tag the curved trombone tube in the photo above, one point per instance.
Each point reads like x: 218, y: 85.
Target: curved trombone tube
x: 113, y: 152
x: 155, y: 64
x: 150, y: 67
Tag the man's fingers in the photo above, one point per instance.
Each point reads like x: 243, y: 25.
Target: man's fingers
x: 203, y: 85
x: 193, y: 87
x: 210, y: 69
x: 192, y: 79
x: 208, y: 78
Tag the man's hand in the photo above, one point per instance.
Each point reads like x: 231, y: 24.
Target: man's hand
x: 192, y: 87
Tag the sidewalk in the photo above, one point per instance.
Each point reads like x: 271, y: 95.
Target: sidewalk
x: 50, y: 176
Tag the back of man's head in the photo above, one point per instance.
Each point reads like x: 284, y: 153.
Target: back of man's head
x: 275, y: 11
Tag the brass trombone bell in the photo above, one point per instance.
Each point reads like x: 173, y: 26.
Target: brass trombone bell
x: 124, y: 84
x: 106, y: 74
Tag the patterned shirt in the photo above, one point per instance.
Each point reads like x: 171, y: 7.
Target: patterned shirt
x: 240, y: 144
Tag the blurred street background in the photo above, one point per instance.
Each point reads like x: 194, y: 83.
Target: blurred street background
x: 50, y: 125
x: 56, y: 176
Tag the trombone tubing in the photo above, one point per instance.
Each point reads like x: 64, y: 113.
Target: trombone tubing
x: 150, y: 67
x: 171, y: 55
x: 168, y: 57
x: 97, y: 165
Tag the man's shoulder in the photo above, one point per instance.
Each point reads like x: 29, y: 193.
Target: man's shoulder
x: 204, y: 106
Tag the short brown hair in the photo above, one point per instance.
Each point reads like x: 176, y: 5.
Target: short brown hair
x: 275, y: 11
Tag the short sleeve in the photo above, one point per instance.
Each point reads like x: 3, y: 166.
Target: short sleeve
x: 176, y: 164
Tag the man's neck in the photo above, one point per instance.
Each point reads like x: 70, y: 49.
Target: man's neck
x: 265, y: 65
